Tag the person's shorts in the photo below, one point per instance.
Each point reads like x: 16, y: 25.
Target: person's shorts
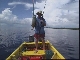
x: 37, y: 36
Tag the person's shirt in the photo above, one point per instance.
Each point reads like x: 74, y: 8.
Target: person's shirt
x: 39, y: 28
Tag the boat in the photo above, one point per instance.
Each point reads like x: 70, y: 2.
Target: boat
x: 26, y: 51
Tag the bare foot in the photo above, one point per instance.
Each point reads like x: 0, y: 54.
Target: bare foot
x: 36, y: 51
x: 44, y: 49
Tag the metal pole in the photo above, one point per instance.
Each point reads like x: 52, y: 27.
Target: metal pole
x: 33, y: 7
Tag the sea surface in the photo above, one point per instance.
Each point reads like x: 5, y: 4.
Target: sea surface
x: 66, y: 41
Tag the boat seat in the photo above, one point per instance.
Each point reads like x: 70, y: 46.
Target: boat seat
x: 32, y: 53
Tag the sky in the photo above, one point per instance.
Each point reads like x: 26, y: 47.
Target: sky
x: 57, y: 13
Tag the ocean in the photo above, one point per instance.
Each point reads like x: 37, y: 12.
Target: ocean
x: 66, y: 41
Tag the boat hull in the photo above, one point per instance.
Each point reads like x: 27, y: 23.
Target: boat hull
x: 27, y: 51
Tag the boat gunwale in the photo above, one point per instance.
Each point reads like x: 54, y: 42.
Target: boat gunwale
x: 56, y: 51
x: 51, y: 46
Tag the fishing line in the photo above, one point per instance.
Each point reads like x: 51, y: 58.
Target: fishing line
x: 44, y: 7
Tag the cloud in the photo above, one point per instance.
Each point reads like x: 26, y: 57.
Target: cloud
x: 27, y: 5
x: 6, y: 17
x: 59, y: 13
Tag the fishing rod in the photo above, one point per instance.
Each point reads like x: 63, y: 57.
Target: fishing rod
x: 33, y: 7
x: 34, y: 16
x: 44, y: 7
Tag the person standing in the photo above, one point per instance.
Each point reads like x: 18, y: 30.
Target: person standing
x: 39, y: 30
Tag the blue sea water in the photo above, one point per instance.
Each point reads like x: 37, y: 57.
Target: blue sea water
x: 64, y: 40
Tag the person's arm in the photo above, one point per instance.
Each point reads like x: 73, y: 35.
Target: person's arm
x: 44, y: 22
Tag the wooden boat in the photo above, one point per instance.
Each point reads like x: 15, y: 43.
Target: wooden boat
x: 26, y: 51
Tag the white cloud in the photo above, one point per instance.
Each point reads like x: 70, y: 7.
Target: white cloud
x: 59, y: 13
x: 27, y: 5
x: 6, y: 17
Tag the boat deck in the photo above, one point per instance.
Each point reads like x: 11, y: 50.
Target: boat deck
x: 29, y: 52
x: 26, y: 51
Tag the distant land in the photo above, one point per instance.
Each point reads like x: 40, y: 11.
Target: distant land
x: 64, y: 28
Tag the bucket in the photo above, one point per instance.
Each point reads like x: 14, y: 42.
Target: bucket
x: 31, y: 38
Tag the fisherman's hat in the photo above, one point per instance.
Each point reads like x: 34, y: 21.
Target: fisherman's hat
x: 39, y: 12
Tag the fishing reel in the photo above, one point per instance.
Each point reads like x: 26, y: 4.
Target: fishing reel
x: 42, y: 23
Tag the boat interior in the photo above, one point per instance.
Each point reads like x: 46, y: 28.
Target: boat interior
x: 26, y: 51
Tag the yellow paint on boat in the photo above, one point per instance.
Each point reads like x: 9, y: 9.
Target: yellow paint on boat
x: 28, y: 53
x: 18, y: 52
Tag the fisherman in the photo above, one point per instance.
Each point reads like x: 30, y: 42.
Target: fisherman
x: 39, y: 30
